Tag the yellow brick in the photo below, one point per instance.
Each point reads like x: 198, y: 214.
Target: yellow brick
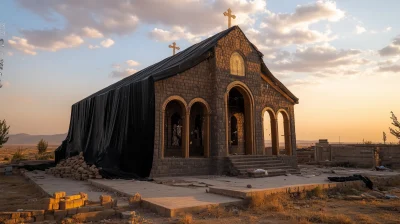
x: 84, y: 195
x: 78, y: 203
x: 59, y: 194
x: 56, y: 206
x: 66, y: 205
x: 73, y: 197
x: 105, y: 198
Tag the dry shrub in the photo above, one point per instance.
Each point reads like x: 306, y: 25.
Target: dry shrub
x: 274, y: 202
x: 302, y: 221
x: 316, y: 192
x: 186, y: 219
x: 364, y: 219
x: 215, y: 212
x: 18, y: 155
x: 321, y: 217
x: 44, y: 156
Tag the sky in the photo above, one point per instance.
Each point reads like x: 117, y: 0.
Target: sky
x: 340, y: 58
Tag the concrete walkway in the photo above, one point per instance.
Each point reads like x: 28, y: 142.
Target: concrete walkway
x: 167, y: 200
x: 50, y: 184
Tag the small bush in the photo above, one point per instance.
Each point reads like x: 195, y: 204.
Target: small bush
x: 19, y: 155
x: 6, y: 158
x: 42, y: 146
x: 317, y: 192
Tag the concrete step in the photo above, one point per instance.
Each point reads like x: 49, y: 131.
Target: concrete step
x: 254, y: 159
x: 265, y: 167
x: 258, y: 163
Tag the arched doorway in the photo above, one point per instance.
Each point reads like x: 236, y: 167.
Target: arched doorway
x: 174, y: 129
x: 240, y: 122
x: 269, y: 131
x: 285, y: 145
x: 199, y: 130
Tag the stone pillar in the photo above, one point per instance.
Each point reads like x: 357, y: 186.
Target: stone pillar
x: 185, y: 134
x: 274, y: 136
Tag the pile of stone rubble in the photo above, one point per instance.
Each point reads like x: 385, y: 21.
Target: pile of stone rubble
x: 76, y: 168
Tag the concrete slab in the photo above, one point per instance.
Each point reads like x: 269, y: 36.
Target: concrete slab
x: 310, y: 178
x: 166, y: 200
x: 50, y: 184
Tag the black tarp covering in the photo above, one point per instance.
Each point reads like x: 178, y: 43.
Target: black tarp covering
x: 114, y: 127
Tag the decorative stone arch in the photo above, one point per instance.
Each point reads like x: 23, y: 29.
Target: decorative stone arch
x: 184, y: 106
x: 286, y: 131
x: 237, y: 64
x: 274, y: 130
x: 207, y: 122
x: 249, y: 116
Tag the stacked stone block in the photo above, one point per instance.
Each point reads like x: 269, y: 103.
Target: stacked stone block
x: 76, y: 168
x: 61, y: 206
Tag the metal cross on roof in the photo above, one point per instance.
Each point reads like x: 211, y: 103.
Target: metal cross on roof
x: 173, y: 46
x: 230, y: 15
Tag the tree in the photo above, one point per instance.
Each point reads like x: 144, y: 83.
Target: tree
x: 3, y: 132
x: 42, y: 146
x: 396, y: 124
x: 384, y: 138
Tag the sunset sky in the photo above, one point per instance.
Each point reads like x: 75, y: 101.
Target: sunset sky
x: 340, y: 58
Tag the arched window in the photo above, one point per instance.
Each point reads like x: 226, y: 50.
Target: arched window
x: 237, y: 64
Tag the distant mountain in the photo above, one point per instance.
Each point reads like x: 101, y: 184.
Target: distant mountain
x: 27, y: 139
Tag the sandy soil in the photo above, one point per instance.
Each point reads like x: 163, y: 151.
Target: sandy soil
x: 17, y: 193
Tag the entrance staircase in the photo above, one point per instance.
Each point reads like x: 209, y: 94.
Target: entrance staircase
x: 240, y: 164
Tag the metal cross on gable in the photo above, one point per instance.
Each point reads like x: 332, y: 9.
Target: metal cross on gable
x: 229, y: 15
x: 173, y: 46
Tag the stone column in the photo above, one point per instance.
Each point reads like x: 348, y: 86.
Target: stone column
x: 274, y: 136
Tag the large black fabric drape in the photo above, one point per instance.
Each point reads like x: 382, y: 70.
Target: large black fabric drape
x: 114, y: 130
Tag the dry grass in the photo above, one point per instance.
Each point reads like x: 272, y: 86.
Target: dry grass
x: 322, y: 217
x: 364, y: 219
x: 29, y: 151
x: 186, y: 219
x: 274, y: 202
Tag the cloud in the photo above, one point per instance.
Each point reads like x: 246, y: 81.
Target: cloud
x: 107, y: 43
x: 392, y: 49
x: 132, y: 63
x: 92, y: 33
x: 388, y: 29
x: 360, y: 29
x: 116, y: 66
x: 123, y: 73
x: 22, y: 44
x: 176, y: 33
x: 300, y: 82
x: 10, y: 53
x: 317, y: 58
x: 283, y: 29
x: 46, y: 40
x: 91, y: 47
x: 391, y: 68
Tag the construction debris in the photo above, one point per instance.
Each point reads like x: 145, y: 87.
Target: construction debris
x: 76, y: 168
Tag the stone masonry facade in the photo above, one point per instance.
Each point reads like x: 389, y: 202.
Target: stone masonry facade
x: 209, y: 81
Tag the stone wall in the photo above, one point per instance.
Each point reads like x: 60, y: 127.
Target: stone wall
x: 189, y: 166
x: 389, y: 156
x: 360, y: 155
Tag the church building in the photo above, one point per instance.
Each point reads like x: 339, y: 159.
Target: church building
x: 198, y: 112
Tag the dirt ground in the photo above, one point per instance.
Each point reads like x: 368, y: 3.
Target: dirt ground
x: 17, y: 193
x: 339, y: 206
x: 28, y: 151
